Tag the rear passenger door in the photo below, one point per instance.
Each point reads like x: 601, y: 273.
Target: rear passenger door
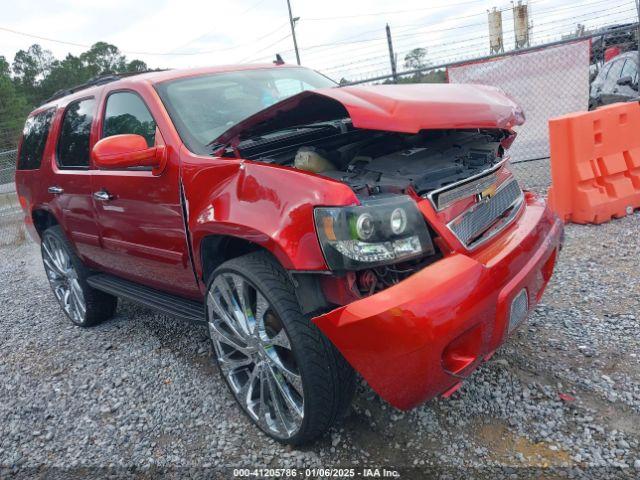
x: 69, y: 186
x: 142, y: 228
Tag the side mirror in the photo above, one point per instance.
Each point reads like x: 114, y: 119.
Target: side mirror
x: 628, y: 81
x: 120, y: 152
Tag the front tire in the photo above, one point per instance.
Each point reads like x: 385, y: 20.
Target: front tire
x: 284, y: 373
x: 67, y: 275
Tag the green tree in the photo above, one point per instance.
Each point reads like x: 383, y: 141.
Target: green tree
x: 30, y: 67
x: 13, y: 109
x: 64, y: 74
x: 136, y: 66
x: 36, y: 75
x: 103, y: 58
x: 416, y: 59
x: 5, y: 68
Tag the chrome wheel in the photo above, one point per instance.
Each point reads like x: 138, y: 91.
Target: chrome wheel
x: 254, y: 354
x: 63, y: 278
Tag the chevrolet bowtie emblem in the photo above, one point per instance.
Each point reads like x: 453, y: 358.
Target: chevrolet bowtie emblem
x: 487, y: 193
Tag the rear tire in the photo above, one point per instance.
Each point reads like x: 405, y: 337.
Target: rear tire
x: 284, y: 373
x: 67, y: 275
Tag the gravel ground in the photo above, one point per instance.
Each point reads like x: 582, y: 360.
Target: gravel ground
x: 139, y: 392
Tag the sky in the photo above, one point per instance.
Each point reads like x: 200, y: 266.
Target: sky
x: 343, y: 38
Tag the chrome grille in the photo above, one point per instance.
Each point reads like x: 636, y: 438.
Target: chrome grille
x: 448, y: 197
x: 470, y: 225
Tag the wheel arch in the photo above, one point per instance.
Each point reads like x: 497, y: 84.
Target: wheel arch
x: 215, y: 249
x: 43, y: 219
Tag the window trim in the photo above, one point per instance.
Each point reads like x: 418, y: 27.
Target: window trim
x: 621, y: 61
x: 59, y: 136
x: 632, y: 62
x: 605, y: 71
x: 103, y: 114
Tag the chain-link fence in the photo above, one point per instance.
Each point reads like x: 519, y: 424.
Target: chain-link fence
x: 547, y: 80
x: 12, y: 230
x: 12, y: 112
x: 11, y: 227
x: 583, y: 71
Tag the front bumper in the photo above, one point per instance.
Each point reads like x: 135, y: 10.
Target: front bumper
x: 421, y: 337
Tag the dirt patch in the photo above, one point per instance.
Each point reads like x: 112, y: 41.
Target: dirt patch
x: 504, y: 445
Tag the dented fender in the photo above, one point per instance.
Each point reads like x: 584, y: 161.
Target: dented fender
x: 268, y: 205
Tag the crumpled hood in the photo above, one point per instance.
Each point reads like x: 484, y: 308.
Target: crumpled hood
x: 398, y: 108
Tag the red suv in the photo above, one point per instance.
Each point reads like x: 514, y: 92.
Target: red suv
x: 317, y: 231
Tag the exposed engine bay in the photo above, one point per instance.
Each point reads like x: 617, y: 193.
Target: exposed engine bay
x: 374, y: 162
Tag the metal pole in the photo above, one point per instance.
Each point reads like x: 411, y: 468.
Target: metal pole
x: 293, y: 32
x: 392, y: 57
x: 638, y: 39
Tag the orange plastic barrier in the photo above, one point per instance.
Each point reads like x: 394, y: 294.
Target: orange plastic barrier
x: 595, y: 163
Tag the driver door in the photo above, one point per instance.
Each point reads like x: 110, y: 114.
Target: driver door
x: 139, y: 212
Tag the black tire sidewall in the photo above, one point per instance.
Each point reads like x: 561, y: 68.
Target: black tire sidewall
x: 99, y: 305
x: 291, y: 318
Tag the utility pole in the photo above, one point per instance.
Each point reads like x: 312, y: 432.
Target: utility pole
x: 392, y: 57
x: 292, y: 21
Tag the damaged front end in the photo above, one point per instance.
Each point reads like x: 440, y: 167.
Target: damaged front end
x: 415, y: 294
x: 390, y: 145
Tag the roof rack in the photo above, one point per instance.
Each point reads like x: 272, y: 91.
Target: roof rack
x: 93, y: 82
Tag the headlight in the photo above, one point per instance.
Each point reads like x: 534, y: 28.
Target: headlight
x: 398, y: 221
x: 383, y: 230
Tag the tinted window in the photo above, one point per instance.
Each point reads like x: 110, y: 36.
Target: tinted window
x: 73, y: 145
x: 127, y: 113
x: 34, y: 138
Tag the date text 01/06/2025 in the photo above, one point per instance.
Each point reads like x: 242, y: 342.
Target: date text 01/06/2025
x: 316, y: 473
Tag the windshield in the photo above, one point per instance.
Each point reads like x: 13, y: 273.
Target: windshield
x: 204, y: 107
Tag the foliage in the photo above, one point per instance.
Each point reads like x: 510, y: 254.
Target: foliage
x: 431, y: 76
x: 103, y: 58
x: 35, y: 75
x: 13, y: 108
x: 29, y: 68
x: 416, y: 59
x: 5, y: 68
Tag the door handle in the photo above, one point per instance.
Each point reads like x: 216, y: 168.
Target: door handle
x: 55, y: 190
x: 102, y: 196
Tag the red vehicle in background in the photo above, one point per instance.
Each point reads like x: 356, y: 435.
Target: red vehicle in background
x: 316, y: 231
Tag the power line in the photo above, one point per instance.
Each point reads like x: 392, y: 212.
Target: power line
x: 444, y: 55
x: 131, y: 52
x: 265, y: 48
x: 403, y: 39
x: 394, y: 12
x: 226, y: 48
x: 445, y: 49
x: 430, y: 26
